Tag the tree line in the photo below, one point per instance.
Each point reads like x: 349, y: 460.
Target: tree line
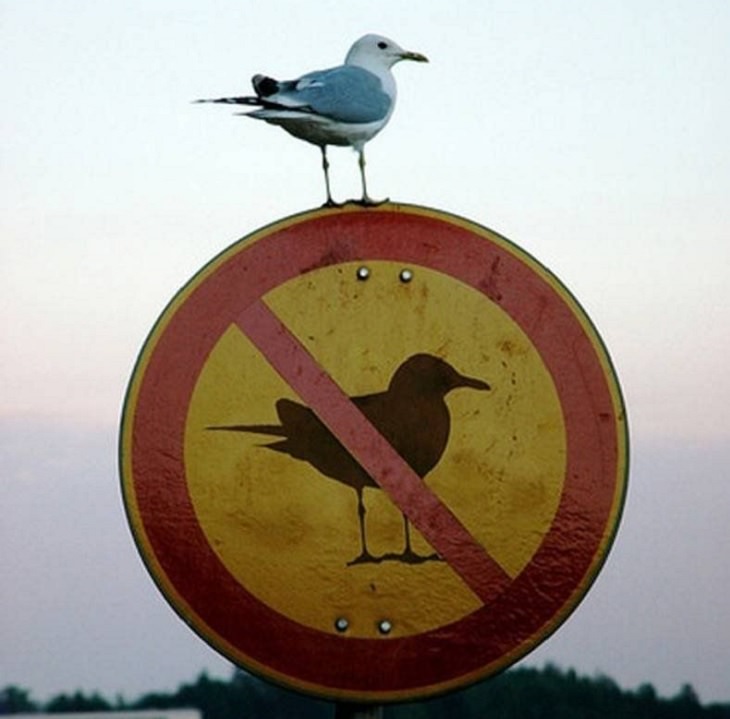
x: 521, y: 693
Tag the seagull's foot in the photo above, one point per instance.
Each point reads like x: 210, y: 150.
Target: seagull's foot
x: 367, y: 201
x: 331, y: 203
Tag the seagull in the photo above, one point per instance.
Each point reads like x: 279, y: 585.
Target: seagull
x: 346, y: 105
x: 411, y: 415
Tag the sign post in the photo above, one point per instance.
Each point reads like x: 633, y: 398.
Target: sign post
x: 358, y: 711
x: 374, y: 454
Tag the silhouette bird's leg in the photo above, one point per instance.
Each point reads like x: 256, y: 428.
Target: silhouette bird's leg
x: 365, y: 555
x: 361, y: 516
x: 326, y: 167
x: 408, y: 555
x: 407, y: 525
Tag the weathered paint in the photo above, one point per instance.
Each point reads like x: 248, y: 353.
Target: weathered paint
x: 261, y: 550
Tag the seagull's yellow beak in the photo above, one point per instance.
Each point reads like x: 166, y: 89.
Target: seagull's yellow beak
x: 415, y: 56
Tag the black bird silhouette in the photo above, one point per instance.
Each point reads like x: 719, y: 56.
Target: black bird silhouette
x: 412, y: 415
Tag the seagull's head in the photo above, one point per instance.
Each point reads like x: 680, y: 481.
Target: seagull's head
x: 375, y: 52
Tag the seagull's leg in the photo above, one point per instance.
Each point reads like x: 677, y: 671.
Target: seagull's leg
x: 361, y: 164
x: 326, y: 167
x: 366, y: 199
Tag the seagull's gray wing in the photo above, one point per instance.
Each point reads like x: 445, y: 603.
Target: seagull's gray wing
x: 344, y: 94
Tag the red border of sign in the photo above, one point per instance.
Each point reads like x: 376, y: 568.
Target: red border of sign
x: 207, y: 596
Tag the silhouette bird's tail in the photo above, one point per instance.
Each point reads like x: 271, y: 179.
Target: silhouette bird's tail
x: 273, y: 429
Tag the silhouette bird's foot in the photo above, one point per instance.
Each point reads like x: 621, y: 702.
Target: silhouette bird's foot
x: 331, y: 203
x: 407, y: 557
x: 364, y: 558
x: 411, y: 557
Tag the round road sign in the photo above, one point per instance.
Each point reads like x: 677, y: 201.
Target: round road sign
x: 374, y: 454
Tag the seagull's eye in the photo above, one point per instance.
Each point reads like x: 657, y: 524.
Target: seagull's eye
x: 382, y: 45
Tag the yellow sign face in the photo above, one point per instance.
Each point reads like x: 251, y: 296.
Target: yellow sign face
x: 362, y: 437
x: 289, y: 532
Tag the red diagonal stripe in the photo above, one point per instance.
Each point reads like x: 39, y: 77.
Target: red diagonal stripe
x: 441, y: 528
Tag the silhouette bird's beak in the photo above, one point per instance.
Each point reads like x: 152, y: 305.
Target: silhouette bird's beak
x: 472, y: 382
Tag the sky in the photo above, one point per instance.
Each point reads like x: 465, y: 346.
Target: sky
x: 592, y: 134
